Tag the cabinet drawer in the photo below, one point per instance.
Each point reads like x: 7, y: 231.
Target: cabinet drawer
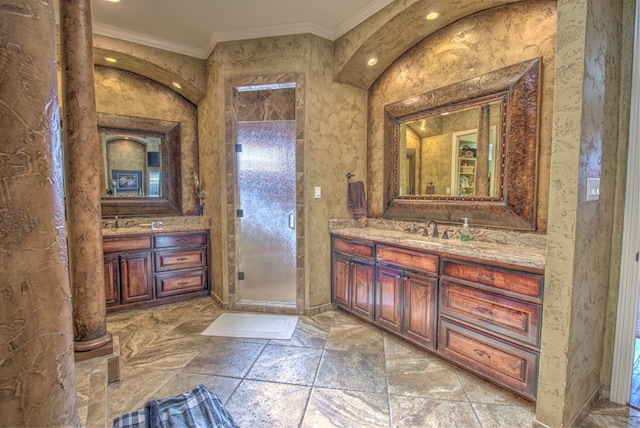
x: 359, y: 249
x: 184, y: 240
x: 507, y: 317
x: 518, y: 284
x: 128, y: 243
x: 172, y: 283
x: 408, y: 259
x: 507, y: 364
x: 180, y: 259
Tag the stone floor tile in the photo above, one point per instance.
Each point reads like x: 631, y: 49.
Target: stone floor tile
x: 430, y: 412
x: 259, y: 404
x: 232, y: 359
x: 348, y: 409
x: 286, y: 365
x: 354, y: 371
x: 360, y: 338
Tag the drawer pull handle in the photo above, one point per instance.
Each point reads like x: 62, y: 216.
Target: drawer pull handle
x: 484, y: 311
x: 481, y: 354
x: 182, y: 283
x: 181, y: 239
x: 484, y: 277
x: 182, y: 259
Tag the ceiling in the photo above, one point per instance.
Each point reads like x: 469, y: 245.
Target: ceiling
x: 193, y: 27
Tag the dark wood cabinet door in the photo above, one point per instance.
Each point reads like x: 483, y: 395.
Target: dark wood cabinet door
x: 389, y: 283
x: 340, y: 281
x: 420, y: 314
x: 111, y: 275
x: 362, y: 289
x: 135, y: 277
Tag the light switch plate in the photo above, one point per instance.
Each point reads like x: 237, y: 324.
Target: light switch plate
x: 593, y: 189
x: 318, y: 192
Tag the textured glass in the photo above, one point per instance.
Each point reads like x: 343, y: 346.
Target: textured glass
x: 267, y: 192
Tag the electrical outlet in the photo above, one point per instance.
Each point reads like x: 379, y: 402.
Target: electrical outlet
x: 318, y: 192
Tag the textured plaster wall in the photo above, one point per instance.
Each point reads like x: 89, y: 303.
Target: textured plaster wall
x: 128, y: 94
x: 470, y: 47
x: 334, y: 143
x: 579, y: 235
x: 392, y: 31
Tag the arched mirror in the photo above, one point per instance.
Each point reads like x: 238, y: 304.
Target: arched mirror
x: 466, y: 150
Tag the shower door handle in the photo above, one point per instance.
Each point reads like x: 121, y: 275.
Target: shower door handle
x: 292, y: 222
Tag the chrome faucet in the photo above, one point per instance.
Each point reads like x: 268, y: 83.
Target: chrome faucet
x: 435, y: 229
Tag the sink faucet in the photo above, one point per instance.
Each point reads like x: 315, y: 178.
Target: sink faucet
x: 435, y: 229
x: 115, y: 222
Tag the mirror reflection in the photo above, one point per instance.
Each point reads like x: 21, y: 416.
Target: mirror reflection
x: 452, y: 153
x: 132, y: 165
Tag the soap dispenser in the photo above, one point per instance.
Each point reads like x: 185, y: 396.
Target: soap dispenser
x: 465, y: 234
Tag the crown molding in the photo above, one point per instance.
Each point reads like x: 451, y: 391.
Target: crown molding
x: 359, y: 17
x: 275, y: 30
x: 143, y: 39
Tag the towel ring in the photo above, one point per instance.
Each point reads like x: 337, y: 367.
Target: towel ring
x: 349, y: 175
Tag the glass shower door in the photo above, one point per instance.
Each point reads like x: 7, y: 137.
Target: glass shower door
x: 267, y: 208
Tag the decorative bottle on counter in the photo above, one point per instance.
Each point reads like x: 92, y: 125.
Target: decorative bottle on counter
x: 465, y: 234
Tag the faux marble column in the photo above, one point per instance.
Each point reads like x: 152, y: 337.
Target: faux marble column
x: 37, y: 380
x: 482, y: 152
x: 83, y: 156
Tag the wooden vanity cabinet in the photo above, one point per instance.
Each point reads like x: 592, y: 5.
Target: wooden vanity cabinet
x: 490, y: 320
x: 181, y: 264
x: 352, y: 272
x: 127, y: 270
x: 481, y: 315
x: 177, y: 264
x: 406, y: 293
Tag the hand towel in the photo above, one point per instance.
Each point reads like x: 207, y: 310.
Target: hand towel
x: 356, y: 199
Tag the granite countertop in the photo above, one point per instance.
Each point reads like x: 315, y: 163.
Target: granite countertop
x: 134, y: 226
x: 520, y: 255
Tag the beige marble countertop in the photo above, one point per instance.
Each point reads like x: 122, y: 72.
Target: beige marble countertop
x: 139, y: 225
x: 519, y: 255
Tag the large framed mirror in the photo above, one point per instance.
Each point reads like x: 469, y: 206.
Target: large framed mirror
x: 141, y: 169
x: 466, y: 150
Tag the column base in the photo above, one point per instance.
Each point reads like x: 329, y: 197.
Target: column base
x: 94, y: 348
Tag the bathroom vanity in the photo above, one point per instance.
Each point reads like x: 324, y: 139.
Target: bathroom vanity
x: 475, y: 304
x: 144, y: 268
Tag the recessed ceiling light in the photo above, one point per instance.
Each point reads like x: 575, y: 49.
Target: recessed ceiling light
x: 113, y: 1
x: 431, y: 16
x: 372, y: 61
x: 110, y: 59
x: 176, y: 85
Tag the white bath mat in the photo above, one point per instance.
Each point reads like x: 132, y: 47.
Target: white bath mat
x: 253, y: 326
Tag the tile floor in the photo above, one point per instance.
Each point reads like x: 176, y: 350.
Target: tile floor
x: 336, y: 371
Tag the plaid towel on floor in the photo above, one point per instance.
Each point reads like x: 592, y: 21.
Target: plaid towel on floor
x: 197, y: 407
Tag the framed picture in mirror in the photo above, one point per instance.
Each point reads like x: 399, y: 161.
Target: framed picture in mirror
x: 127, y: 180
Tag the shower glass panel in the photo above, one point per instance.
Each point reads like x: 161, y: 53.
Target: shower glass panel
x: 267, y: 200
